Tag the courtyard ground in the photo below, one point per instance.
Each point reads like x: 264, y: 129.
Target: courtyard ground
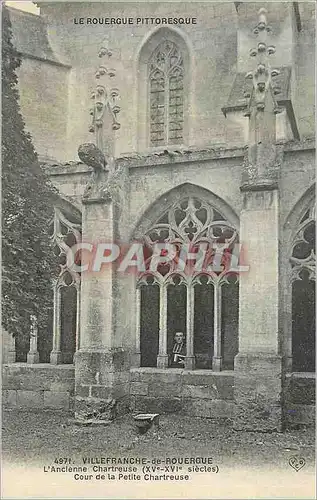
x: 36, y: 438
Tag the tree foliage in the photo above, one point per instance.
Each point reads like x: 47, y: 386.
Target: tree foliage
x: 27, y: 207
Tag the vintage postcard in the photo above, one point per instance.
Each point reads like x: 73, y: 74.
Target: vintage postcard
x: 158, y: 249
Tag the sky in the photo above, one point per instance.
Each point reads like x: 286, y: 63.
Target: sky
x: 24, y: 5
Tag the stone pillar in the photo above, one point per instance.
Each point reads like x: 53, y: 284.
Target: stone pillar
x: 8, y: 348
x: 217, y: 357
x: 162, y: 358
x: 98, y: 384
x: 137, y: 354
x: 190, y: 306
x: 287, y: 324
x: 98, y: 362
x: 259, y: 376
x: 56, y: 354
x: 258, y: 366
x: 78, y: 316
x: 33, y: 355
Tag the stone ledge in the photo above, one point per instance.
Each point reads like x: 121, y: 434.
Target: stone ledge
x: 304, y: 375
x: 38, y: 366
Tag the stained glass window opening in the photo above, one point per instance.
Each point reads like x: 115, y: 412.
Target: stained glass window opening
x: 166, y: 75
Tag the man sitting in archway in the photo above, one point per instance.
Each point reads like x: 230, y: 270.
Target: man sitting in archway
x: 177, y: 356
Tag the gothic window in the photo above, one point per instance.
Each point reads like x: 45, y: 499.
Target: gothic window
x: 303, y: 265
x: 166, y: 88
x: 65, y: 233
x: 201, y: 302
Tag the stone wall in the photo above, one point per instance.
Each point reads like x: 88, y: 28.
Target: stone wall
x: 196, y: 393
x: 217, y: 44
x: 199, y: 393
x: 38, y: 386
x: 203, y: 393
x: 43, y: 89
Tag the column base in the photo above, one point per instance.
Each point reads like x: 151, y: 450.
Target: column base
x: 217, y: 363
x: 101, y: 384
x: 258, y: 392
x: 189, y: 362
x: 33, y: 358
x: 56, y: 358
x: 162, y: 361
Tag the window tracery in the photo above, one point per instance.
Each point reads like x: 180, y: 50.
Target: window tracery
x: 302, y: 277
x: 166, y: 81
x: 66, y: 313
x: 191, y: 222
x: 303, y: 256
x: 64, y: 235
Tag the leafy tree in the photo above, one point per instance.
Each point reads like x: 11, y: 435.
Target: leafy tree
x: 27, y: 207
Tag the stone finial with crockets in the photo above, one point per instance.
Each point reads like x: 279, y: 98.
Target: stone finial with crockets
x: 104, y: 97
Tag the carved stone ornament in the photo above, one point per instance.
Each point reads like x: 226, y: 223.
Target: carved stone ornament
x: 105, y: 97
x: 189, y: 222
x: 64, y: 235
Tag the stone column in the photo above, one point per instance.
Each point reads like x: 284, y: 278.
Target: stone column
x: 56, y: 354
x: 287, y: 325
x: 217, y: 358
x: 162, y: 358
x: 98, y: 360
x: 190, y: 306
x: 33, y: 355
x: 258, y: 366
x: 78, y: 316
x: 137, y: 354
x: 258, y: 376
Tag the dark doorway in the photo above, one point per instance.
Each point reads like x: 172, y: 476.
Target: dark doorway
x: 230, y: 324
x: 68, y: 323
x: 176, y: 313
x: 204, y: 326
x: 149, y: 324
x: 303, y: 324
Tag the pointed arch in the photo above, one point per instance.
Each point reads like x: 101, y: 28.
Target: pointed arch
x: 166, y: 200
x: 306, y: 200
x: 187, y: 215
x: 170, y: 95
x: 300, y: 260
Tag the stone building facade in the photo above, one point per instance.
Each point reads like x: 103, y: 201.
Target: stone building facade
x: 203, y: 132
